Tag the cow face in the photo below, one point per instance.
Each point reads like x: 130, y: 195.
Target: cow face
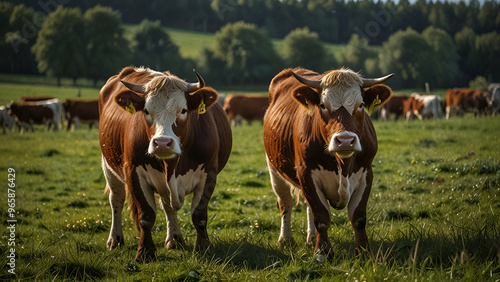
x: 166, y: 103
x: 342, y: 96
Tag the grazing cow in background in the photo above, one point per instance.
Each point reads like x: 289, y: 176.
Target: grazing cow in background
x: 493, y: 98
x: 465, y: 101
x: 27, y: 115
x: 6, y: 119
x: 422, y: 106
x: 34, y: 99
x: 54, y: 105
x: 160, y: 134
x: 79, y: 110
x: 248, y: 107
x: 320, y: 141
x: 392, y: 107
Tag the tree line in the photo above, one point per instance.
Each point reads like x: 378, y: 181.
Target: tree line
x: 71, y: 43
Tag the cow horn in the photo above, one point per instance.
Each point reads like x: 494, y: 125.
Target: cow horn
x: 311, y: 83
x: 139, y: 88
x: 368, y: 82
x: 191, y: 87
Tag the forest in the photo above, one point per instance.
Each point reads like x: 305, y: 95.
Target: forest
x: 445, y: 44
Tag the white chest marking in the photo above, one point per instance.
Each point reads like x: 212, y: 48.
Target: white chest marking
x: 337, y: 188
x: 173, y: 191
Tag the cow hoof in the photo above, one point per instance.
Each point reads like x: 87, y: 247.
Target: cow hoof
x: 114, y: 242
x: 286, y: 242
x: 177, y: 242
x: 204, y: 247
x: 146, y: 254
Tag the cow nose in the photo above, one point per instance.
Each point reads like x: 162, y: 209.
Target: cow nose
x: 344, y: 144
x: 344, y: 141
x: 163, y: 143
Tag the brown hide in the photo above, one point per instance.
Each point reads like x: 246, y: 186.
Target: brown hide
x: 86, y: 111
x: 248, y: 107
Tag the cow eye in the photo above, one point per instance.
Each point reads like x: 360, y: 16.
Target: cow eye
x: 361, y: 105
x: 322, y: 106
x: 184, y: 111
x: 146, y: 112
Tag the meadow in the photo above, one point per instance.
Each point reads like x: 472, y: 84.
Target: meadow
x: 433, y: 212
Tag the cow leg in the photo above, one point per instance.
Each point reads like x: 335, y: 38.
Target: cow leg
x: 310, y: 226
x: 357, y: 212
x: 202, y: 195
x: 321, y: 214
x: 174, y: 235
x: 144, y: 212
x: 116, y: 199
x: 285, y: 202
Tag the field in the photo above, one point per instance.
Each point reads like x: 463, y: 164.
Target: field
x: 433, y: 212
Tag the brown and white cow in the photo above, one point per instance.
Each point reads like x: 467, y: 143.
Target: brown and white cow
x: 245, y: 106
x: 54, y: 105
x: 422, y: 106
x: 465, y: 101
x: 319, y: 140
x: 80, y: 110
x: 160, y: 134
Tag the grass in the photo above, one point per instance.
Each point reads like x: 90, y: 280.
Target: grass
x: 432, y: 214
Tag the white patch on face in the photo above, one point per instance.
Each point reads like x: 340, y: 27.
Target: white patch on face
x: 333, y: 98
x: 337, y: 188
x: 174, y: 191
x: 163, y: 111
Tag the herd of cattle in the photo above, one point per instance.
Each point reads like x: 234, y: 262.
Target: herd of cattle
x: 161, y: 135
x: 51, y: 111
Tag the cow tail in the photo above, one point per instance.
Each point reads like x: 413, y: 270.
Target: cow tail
x: 133, y: 211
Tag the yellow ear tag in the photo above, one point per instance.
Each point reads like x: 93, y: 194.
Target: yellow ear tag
x: 130, y: 108
x: 202, y: 108
x: 306, y: 106
x: 374, y: 104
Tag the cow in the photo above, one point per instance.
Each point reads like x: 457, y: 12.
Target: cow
x: 465, y: 101
x: 5, y: 119
x: 422, y: 106
x: 54, y: 105
x: 160, y: 134
x: 392, y: 107
x: 248, y: 107
x: 25, y: 99
x: 27, y: 115
x: 80, y: 110
x: 320, y: 141
x: 493, y: 98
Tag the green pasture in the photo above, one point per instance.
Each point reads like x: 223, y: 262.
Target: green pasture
x: 433, y: 212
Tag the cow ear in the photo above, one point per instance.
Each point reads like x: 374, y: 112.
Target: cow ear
x: 306, y: 96
x: 376, y: 96
x: 130, y: 101
x: 202, y: 99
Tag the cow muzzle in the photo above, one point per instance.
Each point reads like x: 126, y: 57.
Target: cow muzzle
x: 344, y: 144
x: 164, y: 147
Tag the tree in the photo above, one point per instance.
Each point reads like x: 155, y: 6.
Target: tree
x: 301, y: 47
x: 60, y: 47
x: 407, y: 54
x: 248, y: 55
x: 106, y: 46
x: 152, y: 47
x: 356, y: 53
x: 447, y: 70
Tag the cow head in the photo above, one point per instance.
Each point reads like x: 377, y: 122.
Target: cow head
x: 341, y: 96
x: 166, y: 103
